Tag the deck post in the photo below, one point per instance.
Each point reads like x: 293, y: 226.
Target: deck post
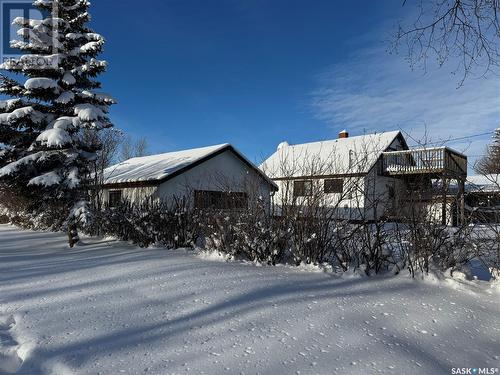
x: 461, y: 199
x: 443, y: 203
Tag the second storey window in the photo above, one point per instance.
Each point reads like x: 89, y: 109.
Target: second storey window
x: 302, y: 188
x: 115, y: 197
x: 334, y: 185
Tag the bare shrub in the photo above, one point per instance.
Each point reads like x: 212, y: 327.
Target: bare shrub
x: 426, y: 241
x: 485, y: 215
x: 147, y: 223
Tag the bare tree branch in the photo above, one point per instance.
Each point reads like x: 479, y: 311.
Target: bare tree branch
x: 466, y: 31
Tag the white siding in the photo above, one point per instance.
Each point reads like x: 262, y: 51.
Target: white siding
x: 378, y: 201
x: 133, y: 195
x: 370, y: 198
x: 224, y: 172
x: 347, y: 204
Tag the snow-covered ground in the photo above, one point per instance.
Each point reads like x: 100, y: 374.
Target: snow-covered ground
x: 109, y: 308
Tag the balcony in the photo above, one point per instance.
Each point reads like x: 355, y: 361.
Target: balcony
x: 438, y: 161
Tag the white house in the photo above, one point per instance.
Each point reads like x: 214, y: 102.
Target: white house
x: 209, y: 177
x: 362, y: 176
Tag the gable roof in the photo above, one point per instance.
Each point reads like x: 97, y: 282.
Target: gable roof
x: 156, y: 169
x: 343, y: 156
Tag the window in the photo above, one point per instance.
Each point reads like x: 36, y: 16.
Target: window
x: 334, y: 186
x: 220, y: 200
x: 115, y: 197
x: 302, y: 188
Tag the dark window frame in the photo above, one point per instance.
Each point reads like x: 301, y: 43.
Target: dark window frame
x: 115, y: 197
x: 303, y: 188
x: 220, y: 200
x: 333, y: 186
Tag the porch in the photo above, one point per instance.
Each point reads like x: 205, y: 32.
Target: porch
x: 418, y: 167
x: 437, y: 161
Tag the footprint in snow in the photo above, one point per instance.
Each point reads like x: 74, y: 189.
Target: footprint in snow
x: 10, y: 350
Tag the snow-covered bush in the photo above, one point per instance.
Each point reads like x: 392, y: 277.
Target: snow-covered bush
x: 255, y: 235
x: 30, y: 213
x: 250, y: 234
x: 219, y: 230
x: 4, y: 214
x: 485, y: 241
x: 148, y: 223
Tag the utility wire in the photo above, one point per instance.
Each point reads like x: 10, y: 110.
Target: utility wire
x: 447, y: 140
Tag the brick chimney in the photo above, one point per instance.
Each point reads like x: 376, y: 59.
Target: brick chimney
x: 343, y: 134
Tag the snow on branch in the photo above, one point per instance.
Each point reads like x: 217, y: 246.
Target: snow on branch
x: 23, y: 113
x: 40, y: 83
x: 68, y: 79
x: 88, y: 112
x: 91, y: 67
x: 66, y: 97
x: 92, y: 47
x: 72, y: 180
x: 99, y: 97
x: 65, y: 123
x: 55, y: 137
x: 12, y: 168
x: 48, y: 179
x: 9, y: 105
x: 91, y: 37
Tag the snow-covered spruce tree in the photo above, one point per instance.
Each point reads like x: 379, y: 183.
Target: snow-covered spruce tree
x: 44, y: 156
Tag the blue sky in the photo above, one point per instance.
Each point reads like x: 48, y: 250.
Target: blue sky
x: 254, y: 73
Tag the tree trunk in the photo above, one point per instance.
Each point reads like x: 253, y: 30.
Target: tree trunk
x: 72, y: 235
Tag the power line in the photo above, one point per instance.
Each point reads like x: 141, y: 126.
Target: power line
x: 447, y: 140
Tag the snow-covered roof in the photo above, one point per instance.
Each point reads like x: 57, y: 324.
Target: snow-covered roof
x: 490, y: 182
x: 333, y: 157
x: 157, y: 168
